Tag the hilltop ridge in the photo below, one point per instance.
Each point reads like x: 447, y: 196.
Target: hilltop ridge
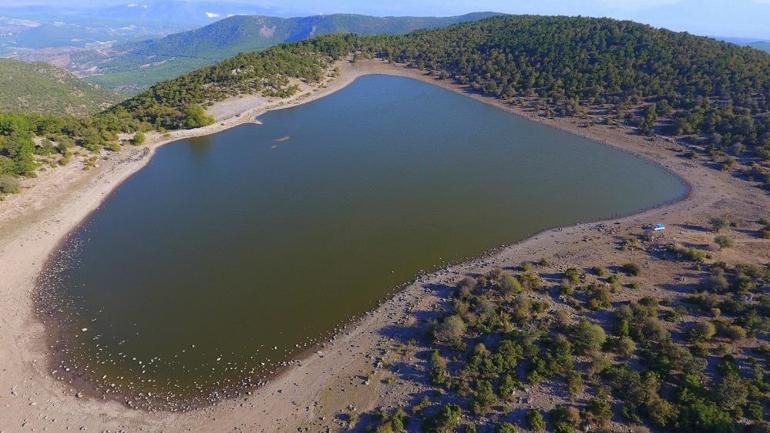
x: 42, y: 88
x: 136, y: 65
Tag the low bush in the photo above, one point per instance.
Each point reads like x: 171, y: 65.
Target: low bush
x: 724, y: 241
x: 138, y: 139
x: 703, y: 331
x: 506, y: 427
x: 445, y: 421
x: 588, y: 337
x: 450, y: 330
x: 719, y: 224
x: 536, y: 420
x: 9, y: 185
x: 631, y: 269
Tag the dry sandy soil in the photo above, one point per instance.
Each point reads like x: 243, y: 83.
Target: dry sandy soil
x: 365, y: 367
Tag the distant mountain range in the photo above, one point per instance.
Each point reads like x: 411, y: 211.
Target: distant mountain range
x: 43, y: 88
x: 137, y: 65
x: 749, y: 42
x: 81, y: 24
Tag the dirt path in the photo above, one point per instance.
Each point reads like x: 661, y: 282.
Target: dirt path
x: 361, y: 369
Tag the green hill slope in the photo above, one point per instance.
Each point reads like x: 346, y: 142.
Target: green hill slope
x: 656, y: 79
x: 711, y: 93
x: 42, y: 88
x: 137, y: 65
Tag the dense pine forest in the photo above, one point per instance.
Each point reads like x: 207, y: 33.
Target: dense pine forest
x: 700, y: 85
x: 713, y: 93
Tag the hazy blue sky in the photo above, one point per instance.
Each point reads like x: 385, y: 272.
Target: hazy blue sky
x: 738, y: 18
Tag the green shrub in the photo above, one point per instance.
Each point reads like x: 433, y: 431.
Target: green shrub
x: 600, y: 408
x: 733, y: 332
x: 572, y: 275
x: 626, y: 346
x: 196, y: 117
x: 703, y: 331
x: 138, y: 139
x: 701, y: 415
x: 9, y: 185
x: 484, y: 397
x: 631, y: 269
x: 531, y: 280
x: 588, y: 337
x: 438, y: 369
x: 575, y: 383
x: 724, y: 241
x: 565, y: 419
x: 719, y: 224
x: 507, y: 387
x: 536, y: 420
x: 717, y: 281
x: 450, y: 330
x: 687, y: 254
x: 598, y: 298
x: 509, y: 284
x: 445, y: 421
x: 731, y: 393
x: 506, y: 427
x: 395, y: 423
x: 755, y: 411
x: 521, y: 308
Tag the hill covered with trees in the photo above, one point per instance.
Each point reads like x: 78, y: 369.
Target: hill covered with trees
x: 658, y: 80
x: 710, y: 93
x: 694, y: 85
x: 42, y: 88
x: 137, y: 65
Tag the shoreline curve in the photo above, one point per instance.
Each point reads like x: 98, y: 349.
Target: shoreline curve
x: 106, y: 181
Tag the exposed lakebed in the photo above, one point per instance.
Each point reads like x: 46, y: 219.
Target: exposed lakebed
x: 229, y: 254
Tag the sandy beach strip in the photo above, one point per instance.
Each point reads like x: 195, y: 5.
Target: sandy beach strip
x: 344, y: 375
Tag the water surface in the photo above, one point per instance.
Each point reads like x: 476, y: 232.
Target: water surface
x: 226, y: 252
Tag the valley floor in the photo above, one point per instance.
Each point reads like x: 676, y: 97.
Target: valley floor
x: 369, y: 365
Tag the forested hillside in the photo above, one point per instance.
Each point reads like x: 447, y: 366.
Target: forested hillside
x: 42, y: 88
x: 140, y: 64
x: 712, y: 93
x: 676, y: 83
x: 698, y: 85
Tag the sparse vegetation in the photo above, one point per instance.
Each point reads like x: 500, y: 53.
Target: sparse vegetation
x: 138, y: 139
x: 724, y: 241
x: 45, y: 89
x: 647, y: 362
x: 631, y: 269
x: 9, y: 185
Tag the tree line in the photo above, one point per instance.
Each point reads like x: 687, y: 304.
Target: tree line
x: 658, y: 80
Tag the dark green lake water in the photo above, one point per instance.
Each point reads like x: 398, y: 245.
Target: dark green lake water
x: 228, y: 246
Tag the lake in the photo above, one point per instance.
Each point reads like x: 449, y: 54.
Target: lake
x: 228, y: 254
